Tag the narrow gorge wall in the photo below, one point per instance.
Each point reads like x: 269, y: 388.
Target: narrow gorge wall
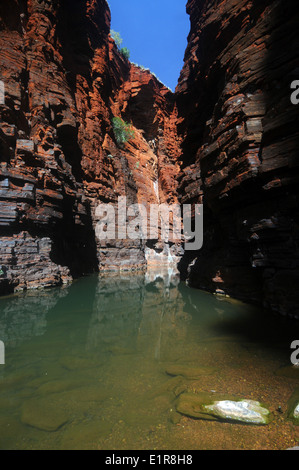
x: 227, y: 138
x: 64, y: 81
x: 240, y: 148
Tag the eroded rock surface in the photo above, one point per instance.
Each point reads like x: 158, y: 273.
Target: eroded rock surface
x: 240, y: 140
x: 64, y: 81
x: 228, y: 138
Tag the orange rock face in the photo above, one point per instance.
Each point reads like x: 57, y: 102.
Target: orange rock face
x: 227, y: 138
x: 64, y: 82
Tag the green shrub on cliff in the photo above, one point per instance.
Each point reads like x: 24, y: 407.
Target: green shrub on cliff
x: 122, y: 131
x: 118, y: 41
x: 117, y: 38
x: 125, y: 52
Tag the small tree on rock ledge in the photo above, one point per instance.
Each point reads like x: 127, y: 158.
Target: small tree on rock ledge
x: 125, y: 52
x: 118, y: 41
x: 122, y: 131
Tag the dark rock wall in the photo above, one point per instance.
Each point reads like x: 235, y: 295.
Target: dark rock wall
x: 240, y: 148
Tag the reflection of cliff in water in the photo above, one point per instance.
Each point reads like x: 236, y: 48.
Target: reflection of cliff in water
x: 112, y: 314
x: 24, y: 316
x: 139, y: 313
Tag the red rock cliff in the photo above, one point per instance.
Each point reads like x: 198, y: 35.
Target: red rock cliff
x: 240, y: 148
x: 228, y: 138
x: 64, y: 81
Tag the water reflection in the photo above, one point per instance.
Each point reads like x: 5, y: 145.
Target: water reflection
x: 24, y: 316
x: 137, y: 314
x: 86, y: 366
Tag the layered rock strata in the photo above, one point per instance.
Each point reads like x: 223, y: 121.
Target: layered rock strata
x: 240, y: 144
x: 64, y: 80
x: 227, y: 138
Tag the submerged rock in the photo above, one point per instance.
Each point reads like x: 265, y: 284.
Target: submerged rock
x: 51, y: 411
x: 56, y: 386
x: 175, y: 417
x: 189, y: 372
x: 15, y: 381
x: 175, y: 385
x: 245, y: 411
x: 43, y: 415
x: 163, y: 402
x: 85, y: 436
x: 213, y: 407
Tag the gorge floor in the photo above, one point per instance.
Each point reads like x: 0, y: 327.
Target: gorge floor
x: 92, y: 366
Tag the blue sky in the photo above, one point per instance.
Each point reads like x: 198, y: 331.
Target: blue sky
x: 155, y: 32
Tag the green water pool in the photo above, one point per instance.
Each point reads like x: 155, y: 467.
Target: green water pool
x: 89, y: 366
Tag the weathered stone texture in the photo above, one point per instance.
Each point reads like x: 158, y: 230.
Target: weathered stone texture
x: 240, y: 145
x: 64, y: 81
x: 227, y: 138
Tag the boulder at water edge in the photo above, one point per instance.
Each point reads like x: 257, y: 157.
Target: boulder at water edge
x: 222, y: 408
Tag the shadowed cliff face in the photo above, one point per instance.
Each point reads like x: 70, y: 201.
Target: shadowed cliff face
x: 240, y: 140
x: 64, y: 81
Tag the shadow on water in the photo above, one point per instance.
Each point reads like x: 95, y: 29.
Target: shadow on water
x: 98, y: 311
x: 222, y: 317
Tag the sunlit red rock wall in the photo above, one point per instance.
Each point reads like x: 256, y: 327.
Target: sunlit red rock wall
x: 240, y: 148
x: 64, y: 81
x: 228, y: 138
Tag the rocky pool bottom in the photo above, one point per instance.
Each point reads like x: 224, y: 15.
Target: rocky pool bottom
x: 144, y: 362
